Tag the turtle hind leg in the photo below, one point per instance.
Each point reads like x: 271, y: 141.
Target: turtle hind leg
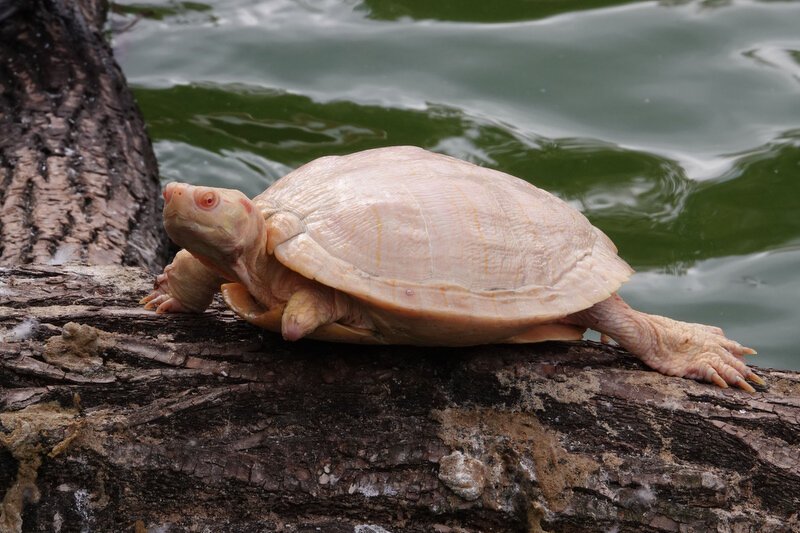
x: 673, y: 348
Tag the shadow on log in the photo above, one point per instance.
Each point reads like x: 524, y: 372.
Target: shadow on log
x: 115, y: 419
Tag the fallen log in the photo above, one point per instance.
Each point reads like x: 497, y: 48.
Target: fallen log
x: 181, y: 422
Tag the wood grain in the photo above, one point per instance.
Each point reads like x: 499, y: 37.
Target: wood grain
x: 202, y: 421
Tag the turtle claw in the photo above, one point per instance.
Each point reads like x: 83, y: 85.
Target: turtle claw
x: 694, y: 351
x: 163, y: 302
x: 152, y: 300
x: 717, y: 380
x: 745, y: 386
x: 161, y: 298
x: 732, y: 346
x: 732, y: 377
x: 171, y: 305
x: 720, y: 367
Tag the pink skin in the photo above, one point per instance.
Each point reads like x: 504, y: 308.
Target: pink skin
x: 185, y: 286
x: 673, y: 348
x: 225, y: 239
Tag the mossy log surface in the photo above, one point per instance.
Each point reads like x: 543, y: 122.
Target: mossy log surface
x: 115, y: 419
x: 190, y: 422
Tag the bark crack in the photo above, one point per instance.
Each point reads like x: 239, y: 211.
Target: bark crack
x: 29, y: 221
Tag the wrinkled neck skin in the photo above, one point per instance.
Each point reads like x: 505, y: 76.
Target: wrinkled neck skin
x: 233, y: 260
x: 254, y: 265
x: 251, y: 260
x: 266, y: 278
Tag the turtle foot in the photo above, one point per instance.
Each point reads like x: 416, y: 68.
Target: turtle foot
x: 306, y: 310
x: 164, y: 303
x: 161, y: 300
x: 160, y: 293
x: 185, y: 286
x: 674, y: 348
x: 698, y: 352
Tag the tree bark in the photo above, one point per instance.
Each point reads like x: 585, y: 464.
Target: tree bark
x: 192, y: 423
x: 115, y: 419
x: 78, y: 177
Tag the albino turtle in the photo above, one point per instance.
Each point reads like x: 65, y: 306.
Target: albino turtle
x: 403, y: 246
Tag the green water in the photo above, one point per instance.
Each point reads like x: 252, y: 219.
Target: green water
x: 674, y: 126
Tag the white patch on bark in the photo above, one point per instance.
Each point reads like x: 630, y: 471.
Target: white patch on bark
x: 464, y: 475
x: 22, y: 331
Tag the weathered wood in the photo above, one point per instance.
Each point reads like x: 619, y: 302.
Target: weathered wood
x: 196, y: 422
x: 78, y: 177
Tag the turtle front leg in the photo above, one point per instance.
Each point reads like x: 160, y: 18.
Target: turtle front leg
x: 673, y: 348
x: 185, y: 286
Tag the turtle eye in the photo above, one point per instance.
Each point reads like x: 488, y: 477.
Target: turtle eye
x: 207, y: 200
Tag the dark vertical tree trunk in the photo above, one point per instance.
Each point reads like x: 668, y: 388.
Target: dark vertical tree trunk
x: 78, y: 177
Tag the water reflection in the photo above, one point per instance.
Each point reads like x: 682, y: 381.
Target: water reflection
x: 786, y: 60
x: 175, y: 12
x: 507, y: 11
x: 752, y: 296
x: 231, y: 168
x: 670, y: 81
x: 659, y: 218
x: 479, y: 10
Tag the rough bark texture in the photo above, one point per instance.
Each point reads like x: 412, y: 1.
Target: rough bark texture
x: 78, y: 177
x: 193, y: 423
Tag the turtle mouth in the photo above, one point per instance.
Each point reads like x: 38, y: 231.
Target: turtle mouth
x: 183, y: 230
x: 191, y: 234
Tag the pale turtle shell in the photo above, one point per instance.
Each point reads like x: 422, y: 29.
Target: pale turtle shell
x: 423, y: 234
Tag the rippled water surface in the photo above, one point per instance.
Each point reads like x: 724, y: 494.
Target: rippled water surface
x: 674, y: 126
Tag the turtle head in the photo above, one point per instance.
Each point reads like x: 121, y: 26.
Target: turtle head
x: 218, y: 226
